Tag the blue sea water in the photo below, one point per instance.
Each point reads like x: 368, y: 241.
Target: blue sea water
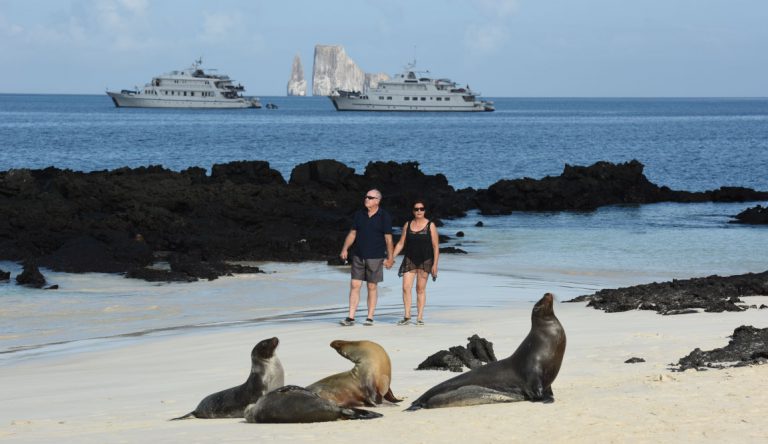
x: 688, y: 144
x: 691, y: 144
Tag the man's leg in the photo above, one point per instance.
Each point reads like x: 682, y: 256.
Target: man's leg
x: 354, y: 296
x: 373, y: 295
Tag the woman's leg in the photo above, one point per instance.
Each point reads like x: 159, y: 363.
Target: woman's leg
x: 407, y: 287
x: 421, y: 293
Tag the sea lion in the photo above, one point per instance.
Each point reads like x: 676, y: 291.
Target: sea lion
x: 526, y: 375
x: 266, y: 374
x: 368, y: 381
x: 292, y: 404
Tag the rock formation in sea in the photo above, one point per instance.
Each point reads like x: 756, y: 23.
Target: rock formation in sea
x: 297, y: 85
x: 757, y: 215
x: 334, y: 69
x: 372, y: 80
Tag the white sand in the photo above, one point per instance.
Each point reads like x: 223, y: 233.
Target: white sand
x: 127, y: 392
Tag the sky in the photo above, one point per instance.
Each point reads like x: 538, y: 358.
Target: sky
x: 503, y: 48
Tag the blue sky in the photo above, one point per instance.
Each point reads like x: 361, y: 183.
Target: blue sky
x: 531, y: 48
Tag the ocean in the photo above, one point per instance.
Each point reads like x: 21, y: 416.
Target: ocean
x: 686, y: 144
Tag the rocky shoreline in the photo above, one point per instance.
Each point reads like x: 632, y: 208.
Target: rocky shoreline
x: 711, y: 294
x: 124, y: 220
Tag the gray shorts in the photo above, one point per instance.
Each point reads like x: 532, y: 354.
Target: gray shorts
x: 369, y: 270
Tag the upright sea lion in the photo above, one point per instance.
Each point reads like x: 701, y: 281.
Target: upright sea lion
x: 368, y: 381
x: 292, y: 404
x: 526, y: 375
x: 266, y: 375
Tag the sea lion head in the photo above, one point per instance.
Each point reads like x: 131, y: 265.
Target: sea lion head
x: 544, y: 308
x: 356, y: 351
x: 264, y: 349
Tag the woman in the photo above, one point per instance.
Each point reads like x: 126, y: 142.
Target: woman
x: 419, y: 243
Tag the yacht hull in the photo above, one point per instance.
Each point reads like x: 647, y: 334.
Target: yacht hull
x: 122, y: 100
x: 342, y: 103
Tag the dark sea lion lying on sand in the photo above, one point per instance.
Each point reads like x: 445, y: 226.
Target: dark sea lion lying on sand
x: 527, y: 375
x: 266, y: 375
x: 292, y: 404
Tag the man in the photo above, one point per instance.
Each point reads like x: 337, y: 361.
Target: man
x: 372, y: 229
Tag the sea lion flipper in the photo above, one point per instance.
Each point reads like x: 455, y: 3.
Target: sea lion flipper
x: 389, y: 396
x: 353, y: 413
x: 471, y: 395
x: 187, y: 416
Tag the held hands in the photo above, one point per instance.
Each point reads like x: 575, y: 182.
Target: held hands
x: 388, y: 263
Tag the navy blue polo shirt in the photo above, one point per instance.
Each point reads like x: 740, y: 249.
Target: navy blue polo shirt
x: 369, y: 241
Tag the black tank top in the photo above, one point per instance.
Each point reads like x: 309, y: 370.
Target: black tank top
x: 418, y: 253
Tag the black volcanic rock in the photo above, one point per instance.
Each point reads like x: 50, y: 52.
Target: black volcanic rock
x: 712, y: 293
x: 120, y: 220
x: 247, y: 172
x: 5, y: 275
x: 31, y: 276
x: 477, y: 353
x: 748, y: 346
x: 325, y: 173
x: 110, y: 253
x: 587, y: 188
x: 757, y: 215
x: 634, y: 360
x: 442, y: 360
x: 452, y: 250
x: 155, y: 275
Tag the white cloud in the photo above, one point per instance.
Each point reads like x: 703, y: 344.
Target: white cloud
x: 9, y: 29
x: 219, y: 27
x: 485, y: 38
x: 498, y: 8
x: 137, y: 7
x: 491, y: 31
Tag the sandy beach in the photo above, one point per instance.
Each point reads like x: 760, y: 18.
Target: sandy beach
x: 127, y: 390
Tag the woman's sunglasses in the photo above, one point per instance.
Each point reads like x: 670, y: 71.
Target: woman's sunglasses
x: 419, y: 208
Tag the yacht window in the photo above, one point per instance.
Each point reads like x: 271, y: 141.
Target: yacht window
x: 185, y: 93
x: 423, y: 98
x: 389, y: 98
x: 381, y: 97
x: 407, y: 98
x: 447, y: 99
x: 439, y: 99
x: 415, y: 98
x: 192, y: 94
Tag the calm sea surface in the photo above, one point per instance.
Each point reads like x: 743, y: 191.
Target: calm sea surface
x: 688, y: 144
x: 691, y: 144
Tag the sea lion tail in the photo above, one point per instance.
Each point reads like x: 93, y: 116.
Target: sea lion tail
x: 389, y: 396
x: 187, y: 416
x: 353, y: 413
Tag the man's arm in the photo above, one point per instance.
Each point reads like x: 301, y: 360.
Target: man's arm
x: 390, y: 257
x: 348, y: 243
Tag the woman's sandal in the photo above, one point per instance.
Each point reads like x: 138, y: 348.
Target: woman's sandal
x: 404, y: 321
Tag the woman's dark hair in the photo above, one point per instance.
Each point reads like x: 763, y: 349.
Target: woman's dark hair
x: 419, y: 201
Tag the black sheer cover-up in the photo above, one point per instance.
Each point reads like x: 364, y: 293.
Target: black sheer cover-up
x: 418, y: 253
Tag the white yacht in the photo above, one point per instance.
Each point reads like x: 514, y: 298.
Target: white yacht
x: 411, y: 91
x: 190, y: 88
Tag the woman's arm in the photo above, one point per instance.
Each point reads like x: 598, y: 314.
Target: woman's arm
x: 401, y: 243
x: 435, y: 248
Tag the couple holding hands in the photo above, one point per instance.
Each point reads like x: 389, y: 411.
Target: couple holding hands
x: 371, y: 232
